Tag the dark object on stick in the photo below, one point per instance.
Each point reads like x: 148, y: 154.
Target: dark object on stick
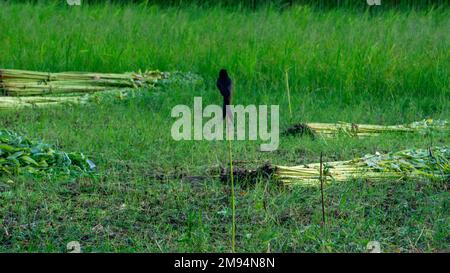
x: 225, y: 86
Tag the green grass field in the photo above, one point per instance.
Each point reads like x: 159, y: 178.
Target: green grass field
x: 344, y: 65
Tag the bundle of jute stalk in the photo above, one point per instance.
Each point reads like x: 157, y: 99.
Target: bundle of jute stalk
x: 433, y: 163
x: 31, y: 83
x: 7, y: 103
x: 365, y: 130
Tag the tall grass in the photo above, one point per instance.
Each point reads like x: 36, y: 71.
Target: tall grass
x: 253, y: 4
x: 395, y: 60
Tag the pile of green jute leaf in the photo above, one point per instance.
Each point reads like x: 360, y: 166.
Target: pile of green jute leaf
x: 19, y: 155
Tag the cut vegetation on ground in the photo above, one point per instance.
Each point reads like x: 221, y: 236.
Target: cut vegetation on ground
x: 433, y: 164
x: 19, y: 155
x: 21, y: 88
x: 364, y: 130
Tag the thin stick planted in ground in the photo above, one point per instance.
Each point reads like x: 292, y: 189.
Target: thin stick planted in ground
x: 288, y: 91
x: 233, y: 205
x: 321, y: 188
